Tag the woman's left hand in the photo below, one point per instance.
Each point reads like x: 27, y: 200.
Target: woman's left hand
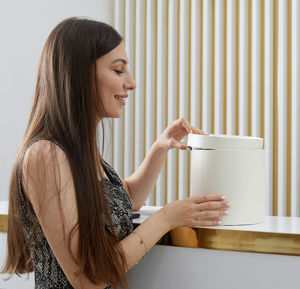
x: 175, y: 132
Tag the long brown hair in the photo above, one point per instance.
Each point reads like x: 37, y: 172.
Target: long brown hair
x: 66, y: 107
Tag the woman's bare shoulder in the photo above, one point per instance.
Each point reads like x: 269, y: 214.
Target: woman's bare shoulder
x: 43, y: 150
x: 45, y: 166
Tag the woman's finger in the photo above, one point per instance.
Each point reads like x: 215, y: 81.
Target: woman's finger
x: 207, y: 215
x: 213, y: 205
x: 186, y: 125
x: 209, y: 223
x: 179, y: 145
x: 206, y: 223
x: 196, y: 130
x: 207, y: 198
x: 191, y: 129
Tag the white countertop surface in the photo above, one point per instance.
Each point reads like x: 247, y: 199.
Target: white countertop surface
x: 280, y: 225
x: 3, y: 207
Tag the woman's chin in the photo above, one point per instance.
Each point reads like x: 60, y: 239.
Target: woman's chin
x: 116, y: 114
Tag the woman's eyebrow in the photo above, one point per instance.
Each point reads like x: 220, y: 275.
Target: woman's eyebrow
x: 120, y: 59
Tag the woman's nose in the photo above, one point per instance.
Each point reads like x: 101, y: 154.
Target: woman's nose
x: 130, y: 83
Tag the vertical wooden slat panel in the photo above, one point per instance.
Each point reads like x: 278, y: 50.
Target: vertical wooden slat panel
x: 151, y: 121
x: 108, y: 138
x: 296, y: 123
x: 289, y: 109
x: 219, y: 77
x: 178, y: 92
x: 275, y: 113
x: 195, y: 66
x: 161, y: 88
x: 172, y: 92
x: 225, y: 69
x: 249, y: 66
x: 140, y: 80
x: 255, y: 70
x: 167, y: 93
x: 207, y: 65
x: 269, y: 101
x: 158, y: 97
x: 195, y: 62
x: 295, y: 197
x: 134, y: 92
x: 189, y: 93
x: 201, y: 65
x: 122, y: 119
x: 155, y: 87
x: 128, y: 111
x: 140, y: 75
x: 262, y: 68
x: 176, y: 95
x: 243, y: 68
x: 149, y: 200
x: 213, y: 67
x: 282, y: 106
x: 112, y: 160
x: 232, y: 66
x: 118, y: 131
x: 150, y: 82
x: 237, y: 89
x: 145, y: 73
x: 184, y: 97
x: 232, y: 70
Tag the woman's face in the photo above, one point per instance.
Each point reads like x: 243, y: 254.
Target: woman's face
x: 114, y: 80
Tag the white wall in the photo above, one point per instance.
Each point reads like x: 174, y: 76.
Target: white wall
x: 24, y: 28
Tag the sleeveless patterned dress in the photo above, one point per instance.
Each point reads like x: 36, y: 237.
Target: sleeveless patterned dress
x: 47, y: 271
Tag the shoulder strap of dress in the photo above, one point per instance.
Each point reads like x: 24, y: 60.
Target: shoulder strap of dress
x: 109, y: 170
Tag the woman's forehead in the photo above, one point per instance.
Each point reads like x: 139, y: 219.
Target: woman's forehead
x: 117, y: 55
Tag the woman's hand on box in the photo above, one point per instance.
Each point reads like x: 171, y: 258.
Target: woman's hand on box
x: 206, y: 210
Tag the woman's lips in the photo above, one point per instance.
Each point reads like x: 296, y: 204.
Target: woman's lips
x: 121, y: 98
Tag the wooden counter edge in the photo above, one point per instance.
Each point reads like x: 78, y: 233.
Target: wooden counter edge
x: 3, y: 223
x: 234, y: 240
x: 218, y: 239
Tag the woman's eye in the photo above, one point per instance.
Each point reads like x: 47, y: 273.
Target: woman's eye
x: 119, y: 71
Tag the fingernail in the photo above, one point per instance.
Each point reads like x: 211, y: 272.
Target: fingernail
x: 219, y: 222
x: 222, y: 197
x: 228, y: 204
x: 225, y: 212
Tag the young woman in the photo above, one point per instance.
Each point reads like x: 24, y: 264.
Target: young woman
x: 70, y: 214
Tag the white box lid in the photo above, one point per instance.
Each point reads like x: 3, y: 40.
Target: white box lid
x: 224, y: 142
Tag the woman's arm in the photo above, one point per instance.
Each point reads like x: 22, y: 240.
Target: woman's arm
x: 55, y: 206
x: 142, y: 181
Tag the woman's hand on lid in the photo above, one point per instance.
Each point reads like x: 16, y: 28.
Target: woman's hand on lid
x: 175, y: 132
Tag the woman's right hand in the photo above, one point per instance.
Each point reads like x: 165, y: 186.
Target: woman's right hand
x: 205, y: 210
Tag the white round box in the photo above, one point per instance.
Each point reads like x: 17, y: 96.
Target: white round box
x: 235, y: 167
